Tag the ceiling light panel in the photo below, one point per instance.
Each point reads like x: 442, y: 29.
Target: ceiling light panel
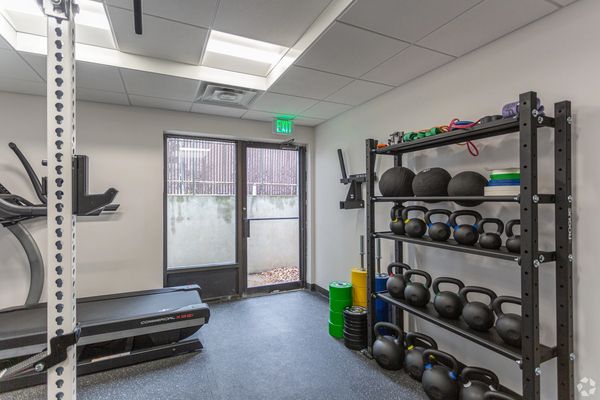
x: 92, y: 23
x: 240, y: 54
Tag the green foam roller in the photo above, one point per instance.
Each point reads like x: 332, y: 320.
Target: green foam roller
x: 336, y: 317
x: 337, y: 331
x: 340, y: 290
x: 339, y: 305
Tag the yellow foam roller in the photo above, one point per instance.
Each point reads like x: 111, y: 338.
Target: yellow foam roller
x: 359, y: 287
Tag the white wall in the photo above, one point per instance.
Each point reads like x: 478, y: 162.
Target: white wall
x: 557, y: 57
x: 123, y: 252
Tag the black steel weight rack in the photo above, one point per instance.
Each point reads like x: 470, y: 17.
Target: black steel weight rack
x: 532, y: 353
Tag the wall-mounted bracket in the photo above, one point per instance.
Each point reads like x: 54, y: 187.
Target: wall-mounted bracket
x: 354, y: 197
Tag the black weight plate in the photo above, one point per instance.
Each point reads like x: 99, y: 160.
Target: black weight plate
x: 355, y: 345
x: 355, y: 311
x: 355, y: 325
x: 354, y: 336
x: 356, y: 331
x: 356, y: 320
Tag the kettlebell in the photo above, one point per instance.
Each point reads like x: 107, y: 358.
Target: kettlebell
x: 417, y: 293
x: 508, y: 325
x: 477, y: 315
x: 513, y: 243
x: 414, y: 227
x: 447, y: 304
x: 440, y: 378
x: 464, y: 233
x: 396, y: 283
x: 490, y: 240
x: 397, y: 223
x: 416, y: 344
x: 388, y: 351
x: 491, y: 395
x: 438, y: 231
x: 476, y: 382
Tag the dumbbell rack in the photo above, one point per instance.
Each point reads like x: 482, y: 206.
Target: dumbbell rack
x: 532, y: 353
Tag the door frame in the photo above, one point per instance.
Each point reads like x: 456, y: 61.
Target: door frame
x: 190, y: 275
x: 302, y: 201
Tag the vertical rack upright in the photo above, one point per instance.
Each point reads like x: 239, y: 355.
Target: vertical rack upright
x: 532, y: 354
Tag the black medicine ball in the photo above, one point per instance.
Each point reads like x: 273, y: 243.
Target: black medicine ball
x: 467, y: 183
x: 396, y: 182
x: 431, y: 182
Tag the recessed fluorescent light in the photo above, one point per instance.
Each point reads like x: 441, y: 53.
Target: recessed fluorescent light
x: 91, y: 13
x: 241, y: 47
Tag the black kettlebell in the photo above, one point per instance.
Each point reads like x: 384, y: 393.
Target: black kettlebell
x: 396, y: 223
x: 414, y: 227
x: 476, y: 382
x: 492, y: 395
x: 490, y: 240
x: 465, y: 234
x: 513, y: 243
x: 438, y: 231
x: 388, y: 351
x: 416, y: 344
x: 440, y: 378
x: 477, y: 315
x: 396, y: 283
x: 508, y: 325
x: 446, y: 303
x: 416, y: 293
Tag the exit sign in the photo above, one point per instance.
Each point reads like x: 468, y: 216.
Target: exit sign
x: 283, y: 126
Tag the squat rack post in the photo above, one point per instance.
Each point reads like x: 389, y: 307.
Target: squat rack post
x: 370, y: 172
x: 62, y: 319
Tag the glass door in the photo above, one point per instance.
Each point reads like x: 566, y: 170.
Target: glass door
x: 273, y: 218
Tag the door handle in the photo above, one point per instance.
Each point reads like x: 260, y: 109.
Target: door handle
x: 246, y: 228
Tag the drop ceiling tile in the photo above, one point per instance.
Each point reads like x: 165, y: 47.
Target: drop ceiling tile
x: 89, y: 75
x: 161, y: 86
x: 13, y: 66
x: 281, y: 22
x: 484, y: 23
x: 282, y: 104
x: 161, y: 39
x: 102, y: 96
x: 193, y: 12
x: 407, y: 20
x: 325, y: 110
x: 358, y: 92
x: 218, y: 110
x: 350, y: 51
x: 259, y: 116
x: 165, y: 104
x: 410, y: 63
x: 564, y: 2
x: 25, y: 87
x: 308, y: 121
x: 311, y: 83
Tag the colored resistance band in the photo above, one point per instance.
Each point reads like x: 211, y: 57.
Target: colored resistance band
x: 456, y: 124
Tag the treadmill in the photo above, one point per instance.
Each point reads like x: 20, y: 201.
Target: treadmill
x: 115, y: 330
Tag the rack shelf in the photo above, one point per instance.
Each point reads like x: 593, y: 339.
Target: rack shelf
x: 489, y: 339
x: 501, y: 254
x: 543, y: 199
x: 532, y: 353
x: 495, y: 128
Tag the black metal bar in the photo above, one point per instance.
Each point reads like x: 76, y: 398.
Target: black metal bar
x: 529, y: 246
x: 564, y: 250
x: 370, y: 171
x: 489, y: 339
x: 543, y: 198
x: 496, y: 128
x: 502, y: 254
x: 399, y: 252
x: 137, y: 16
x: 342, y: 165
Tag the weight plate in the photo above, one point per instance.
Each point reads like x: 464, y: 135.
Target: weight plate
x: 340, y: 290
x: 355, y: 323
x: 354, y: 336
x: 336, y: 317
x: 339, y: 305
x: 355, y: 345
x: 355, y: 311
x: 355, y: 331
x: 336, y: 331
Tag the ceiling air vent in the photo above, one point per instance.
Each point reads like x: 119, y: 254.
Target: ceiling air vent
x: 228, y: 96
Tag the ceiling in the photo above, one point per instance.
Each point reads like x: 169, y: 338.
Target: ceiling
x: 374, y: 46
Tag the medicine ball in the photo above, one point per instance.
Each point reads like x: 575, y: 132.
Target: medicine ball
x: 431, y: 182
x: 467, y: 183
x: 396, y: 182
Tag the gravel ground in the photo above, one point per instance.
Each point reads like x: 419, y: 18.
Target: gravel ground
x: 275, y: 275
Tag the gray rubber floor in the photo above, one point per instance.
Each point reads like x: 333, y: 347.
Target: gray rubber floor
x: 271, y: 347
